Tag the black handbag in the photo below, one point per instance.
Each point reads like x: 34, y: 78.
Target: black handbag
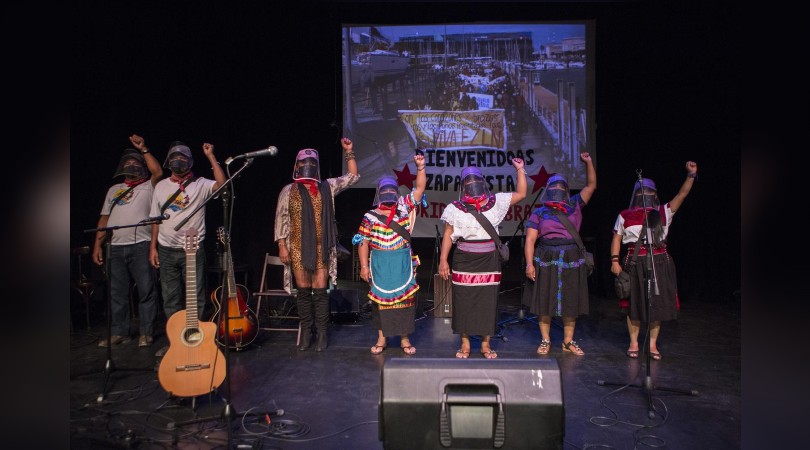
x: 621, y: 284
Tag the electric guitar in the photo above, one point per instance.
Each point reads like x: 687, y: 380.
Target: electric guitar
x: 242, y: 324
x: 193, y: 365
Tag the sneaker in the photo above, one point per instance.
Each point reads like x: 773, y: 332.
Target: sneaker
x: 145, y: 341
x: 114, y: 339
x: 162, y: 351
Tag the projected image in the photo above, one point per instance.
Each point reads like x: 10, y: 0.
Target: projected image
x: 469, y: 95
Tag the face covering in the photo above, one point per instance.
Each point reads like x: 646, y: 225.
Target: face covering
x: 556, y: 195
x: 308, y: 169
x: 178, y: 166
x: 134, y: 172
x: 388, y: 197
x: 475, y: 188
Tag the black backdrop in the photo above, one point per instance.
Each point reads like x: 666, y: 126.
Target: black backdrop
x: 245, y: 75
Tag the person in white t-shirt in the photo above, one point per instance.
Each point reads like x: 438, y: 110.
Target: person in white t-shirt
x: 179, y: 196
x: 128, y: 203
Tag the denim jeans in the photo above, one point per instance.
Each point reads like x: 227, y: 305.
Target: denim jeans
x: 132, y: 261
x: 173, y: 280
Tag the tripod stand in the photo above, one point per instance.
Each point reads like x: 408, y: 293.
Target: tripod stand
x: 651, y: 286
x: 109, y: 366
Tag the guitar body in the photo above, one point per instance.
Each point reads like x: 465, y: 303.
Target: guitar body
x: 243, y: 323
x: 193, y: 365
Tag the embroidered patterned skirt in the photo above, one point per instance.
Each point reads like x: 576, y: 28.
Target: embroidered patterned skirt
x: 392, y: 276
x: 476, y: 280
x: 561, y: 286
x: 393, y: 291
x: 663, y: 306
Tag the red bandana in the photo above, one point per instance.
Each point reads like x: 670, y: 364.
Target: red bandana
x: 312, y: 185
x: 180, y: 180
x: 135, y: 183
x: 474, y: 201
x: 392, y: 210
x: 560, y: 206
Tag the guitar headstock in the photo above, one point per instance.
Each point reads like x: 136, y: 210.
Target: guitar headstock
x: 222, y: 236
x: 191, y: 242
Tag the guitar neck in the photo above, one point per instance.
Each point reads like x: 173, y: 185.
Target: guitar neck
x: 191, y: 290
x: 229, y: 268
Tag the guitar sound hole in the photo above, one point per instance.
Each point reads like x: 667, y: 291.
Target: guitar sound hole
x: 192, y: 336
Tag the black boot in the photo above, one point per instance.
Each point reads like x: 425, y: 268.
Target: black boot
x: 320, y: 301
x: 304, y: 305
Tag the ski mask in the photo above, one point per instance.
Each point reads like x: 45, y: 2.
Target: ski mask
x: 473, y: 184
x: 131, y: 166
x: 307, y: 166
x: 179, y: 159
x: 556, y: 190
x: 644, y: 194
x: 387, y: 192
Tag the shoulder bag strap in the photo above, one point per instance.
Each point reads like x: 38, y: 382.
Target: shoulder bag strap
x: 637, y: 246
x: 123, y: 194
x: 174, y: 196
x: 564, y: 220
x: 486, y: 224
x: 394, y: 226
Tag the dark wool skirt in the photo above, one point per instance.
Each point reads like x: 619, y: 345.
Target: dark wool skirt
x: 394, y: 320
x: 475, y: 302
x: 663, y: 306
x: 561, y: 286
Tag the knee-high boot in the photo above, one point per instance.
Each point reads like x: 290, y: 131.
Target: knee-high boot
x: 304, y: 305
x: 320, y: 301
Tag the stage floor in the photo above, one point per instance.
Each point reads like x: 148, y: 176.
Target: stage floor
x: 330, y: 399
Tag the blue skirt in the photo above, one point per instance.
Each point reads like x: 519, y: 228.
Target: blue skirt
x: 392, y: 276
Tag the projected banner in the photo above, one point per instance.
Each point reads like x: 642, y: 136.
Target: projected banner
x: 469, y: 95
x: 443, y: 169
x: 457, y: 129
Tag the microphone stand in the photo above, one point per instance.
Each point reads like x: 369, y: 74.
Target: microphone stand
x: 436, y: 246
x: 227, y: 413
x: 521, y: 317
x: 651, y: 282
x: 109, y: 366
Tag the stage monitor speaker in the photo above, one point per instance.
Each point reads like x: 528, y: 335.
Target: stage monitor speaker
x: 442, y: 297
x: 444, y: 403
x: 344, y: 301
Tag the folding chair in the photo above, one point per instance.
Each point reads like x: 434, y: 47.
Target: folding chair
x: 280, y: 296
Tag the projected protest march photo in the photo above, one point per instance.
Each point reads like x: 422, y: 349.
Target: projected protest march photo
x: 469, y: 95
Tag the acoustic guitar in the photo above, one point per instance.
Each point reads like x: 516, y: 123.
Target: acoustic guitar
x: 243, y: 324
x: 194, y: 365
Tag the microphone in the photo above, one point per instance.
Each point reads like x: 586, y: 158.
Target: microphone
x: 160, y: 218
x: 269, y: 151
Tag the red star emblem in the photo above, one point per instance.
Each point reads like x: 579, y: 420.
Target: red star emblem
x: 405, y: 178
x: 540, y: 179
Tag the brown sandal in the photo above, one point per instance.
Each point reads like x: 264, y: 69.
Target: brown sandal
x: 461, y: 354
x: 489, y: 355
x: 377, y: 349
x: 545, y: 346
x: 567, y: 347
